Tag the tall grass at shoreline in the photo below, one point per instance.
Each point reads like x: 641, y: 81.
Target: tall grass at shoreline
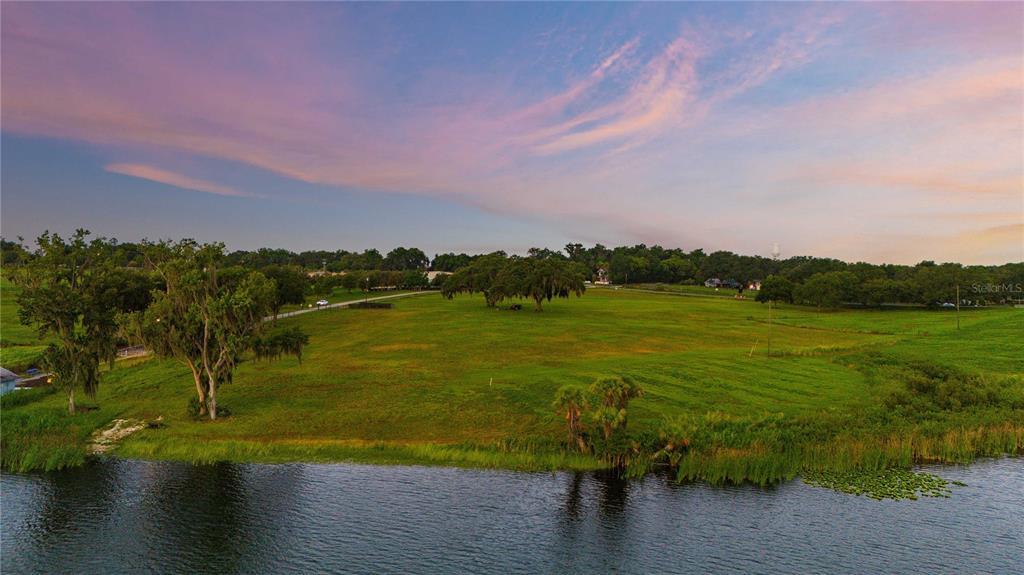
x: 372, y: 452
x: 38, y: 435
x: 764, y: 466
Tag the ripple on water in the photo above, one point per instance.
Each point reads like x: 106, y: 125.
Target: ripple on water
x: 144, y: 517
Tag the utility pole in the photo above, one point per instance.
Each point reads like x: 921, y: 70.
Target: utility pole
x: 958, y: 307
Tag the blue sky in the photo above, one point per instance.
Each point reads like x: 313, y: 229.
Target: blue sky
x: 878, y: 132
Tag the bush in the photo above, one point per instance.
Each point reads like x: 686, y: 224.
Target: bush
x: 927, y: 386
x: 776, y: 288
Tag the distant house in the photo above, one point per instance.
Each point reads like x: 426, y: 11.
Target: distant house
x: 754, y: 285
x: 726, y: 283
x: 8, y: 380
x: 432, y: 275
x: 602, y: 277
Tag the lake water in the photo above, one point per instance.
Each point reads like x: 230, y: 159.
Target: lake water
x: 117, y: 516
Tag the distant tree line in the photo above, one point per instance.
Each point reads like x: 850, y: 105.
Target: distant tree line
x: 825, y: 282
x: 368, y: 280
x: 398, y: 259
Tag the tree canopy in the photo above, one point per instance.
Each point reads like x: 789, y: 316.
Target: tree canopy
x: 207, y: 316
x: 401, y: 258
x: 290, y: 285
x: 72, y: 292
x: 499, y: 277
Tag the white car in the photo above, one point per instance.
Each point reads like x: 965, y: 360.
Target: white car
x: 321, y: 303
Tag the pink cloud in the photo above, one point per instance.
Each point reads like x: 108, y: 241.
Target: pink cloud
x: 315, y: 121
x: 182, y: 181
x: 655, y: 100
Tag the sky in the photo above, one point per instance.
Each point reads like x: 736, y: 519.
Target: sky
x: 864, y: 131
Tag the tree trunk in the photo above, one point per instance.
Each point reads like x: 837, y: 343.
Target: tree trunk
x: 582, y: 445
x: 575, y: 431
x: 199, y: 389
x: 71, y: 401
x: 537, y: 302
x: 212, y: 400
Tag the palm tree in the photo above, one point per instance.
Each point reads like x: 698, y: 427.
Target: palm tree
x: 571, y: 401
x: 609, y: 419
x: 674, y: 438
x: 614, y: 394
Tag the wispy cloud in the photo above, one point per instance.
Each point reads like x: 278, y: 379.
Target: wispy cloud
x: 654, y: 100
x: 182, y: 181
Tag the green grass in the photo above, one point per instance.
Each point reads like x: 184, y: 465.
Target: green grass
x: 698, y: 290
x: 20, y: 345
x: 443, y: 382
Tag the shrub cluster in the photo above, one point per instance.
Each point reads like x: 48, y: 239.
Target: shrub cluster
x: 927, y: 386
x: 596, y: 418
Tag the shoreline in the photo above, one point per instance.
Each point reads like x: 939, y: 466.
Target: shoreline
x: 761, y: 468
x: 918, y: 479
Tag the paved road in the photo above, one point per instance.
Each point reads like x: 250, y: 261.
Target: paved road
x: 348, y: 303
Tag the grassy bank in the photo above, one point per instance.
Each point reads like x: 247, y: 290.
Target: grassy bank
x: 455, y: 383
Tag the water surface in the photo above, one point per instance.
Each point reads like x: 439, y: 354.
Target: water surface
x: 117, y: 516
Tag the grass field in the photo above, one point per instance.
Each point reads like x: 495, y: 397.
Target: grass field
x: 19, y: 344
x: 453, y: 382
x: 692, y: 290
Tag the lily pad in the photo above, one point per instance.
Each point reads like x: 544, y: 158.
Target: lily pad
x: 882, y: 484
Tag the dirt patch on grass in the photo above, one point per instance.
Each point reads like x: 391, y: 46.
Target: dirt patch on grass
x: 104, y: 440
